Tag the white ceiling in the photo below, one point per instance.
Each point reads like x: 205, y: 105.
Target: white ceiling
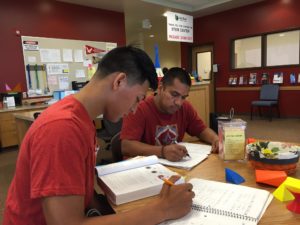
x: 135, y: 11
x: 196, y: 8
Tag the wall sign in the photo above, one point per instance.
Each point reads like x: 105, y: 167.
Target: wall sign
x: 179, y: 27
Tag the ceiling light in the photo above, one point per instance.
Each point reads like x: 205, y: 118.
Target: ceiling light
x: 151, y: 35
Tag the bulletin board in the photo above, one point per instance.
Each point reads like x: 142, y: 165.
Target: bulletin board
x: 52, y: 64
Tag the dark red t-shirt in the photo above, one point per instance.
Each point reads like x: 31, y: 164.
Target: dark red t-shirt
x: 151, y: 126
x: 56, y: 158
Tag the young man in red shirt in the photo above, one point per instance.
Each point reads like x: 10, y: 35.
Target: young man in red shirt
x: 162, y: 120
x: 54, y: 179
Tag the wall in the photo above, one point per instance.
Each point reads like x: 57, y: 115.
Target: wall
x: 221, y: 28
x: 169, y: 51
x: 50, y: 19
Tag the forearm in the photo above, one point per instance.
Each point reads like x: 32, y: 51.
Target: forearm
x: 208, y: 136
x: 134, y: 148
x: 146, y: 215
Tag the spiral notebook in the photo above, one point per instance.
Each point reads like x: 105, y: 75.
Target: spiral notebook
x: 217, y: 203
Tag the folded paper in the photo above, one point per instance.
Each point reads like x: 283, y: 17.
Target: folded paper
x: 233, y: 177
x: 270, y: 177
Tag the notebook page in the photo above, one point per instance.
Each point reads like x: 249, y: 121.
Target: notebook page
x: 126, y: 165
x: 233, y: 198
x: 203, y: 218
x: 229, y: 198
x: 198, y: 153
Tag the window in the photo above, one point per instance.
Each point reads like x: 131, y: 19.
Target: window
x: 282, y: 48
x: 247, y: 52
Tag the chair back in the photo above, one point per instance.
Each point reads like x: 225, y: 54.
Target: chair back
x: 269, y: 92
x: 111, y: 127
x: 36, y: 115
x: 115, y: 146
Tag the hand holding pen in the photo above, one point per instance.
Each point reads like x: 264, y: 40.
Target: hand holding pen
x: 187, y: 154
x: 175, y: 200
x: 174, y: 152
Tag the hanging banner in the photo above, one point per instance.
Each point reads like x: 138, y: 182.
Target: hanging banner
x: 91, y: 50
x: 179, y: 27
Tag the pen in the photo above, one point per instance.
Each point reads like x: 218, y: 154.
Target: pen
x: 187, y: 154
x: 166, y: 181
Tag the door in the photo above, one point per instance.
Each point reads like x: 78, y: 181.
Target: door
x: 202, y: 62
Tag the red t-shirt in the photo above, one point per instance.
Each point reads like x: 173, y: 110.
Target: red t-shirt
x: 153, y: 127
x: 56, y: 158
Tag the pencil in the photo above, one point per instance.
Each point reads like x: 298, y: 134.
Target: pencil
x: 166, y: 181
x: 187, y: 154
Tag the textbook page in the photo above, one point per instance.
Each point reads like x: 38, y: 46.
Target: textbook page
x: 137, y: 183
x: 225, y: 204
x: 126, y: 165
x: 197, y: 152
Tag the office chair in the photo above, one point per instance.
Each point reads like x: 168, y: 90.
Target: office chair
x: 36, y: 115
x: 114, y: 153
x: 108, y: 130
x: 115, y: 147
x: 269, y: 97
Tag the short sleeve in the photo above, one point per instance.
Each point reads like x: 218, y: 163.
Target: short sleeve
x: 133, y: 126
x: 58, y: 160
x: 195, y: 124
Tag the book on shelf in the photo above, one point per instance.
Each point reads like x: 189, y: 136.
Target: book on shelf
x: 230, y: 80
x: 292, y: 78
x: 224, y: 204
x: 265, y: 78
x: 132, y: 179
x: 241, y: 80
x: 197, y: 152
x: 278, y: 78
x: 252, y: 78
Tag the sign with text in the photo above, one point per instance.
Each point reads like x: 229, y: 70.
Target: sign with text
x: 179, y: 27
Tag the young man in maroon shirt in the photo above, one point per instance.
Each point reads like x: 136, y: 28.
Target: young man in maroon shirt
x: 54, y: 179
x: 162, y: 120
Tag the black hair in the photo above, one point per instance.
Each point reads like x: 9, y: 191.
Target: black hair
x: 130, y: 60
x: 165, y: 70
x: 176, y: 73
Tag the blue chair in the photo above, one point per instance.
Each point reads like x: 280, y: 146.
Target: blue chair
x: 269, y: 98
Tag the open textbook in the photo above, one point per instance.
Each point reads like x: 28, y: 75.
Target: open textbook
x: 224, y: 204
x: 197, y: 152
x: 133, y: 179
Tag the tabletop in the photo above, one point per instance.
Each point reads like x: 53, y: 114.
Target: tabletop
x: 213, y: 168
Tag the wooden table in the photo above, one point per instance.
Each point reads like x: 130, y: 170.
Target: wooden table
x: 213, y: 169
x: 25, y: 119
x: 8, y: 129
x: 23, y: 122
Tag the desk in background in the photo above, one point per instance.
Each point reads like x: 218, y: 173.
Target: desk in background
x: 8, y: 129
x: 23, y: 120
x: 213, y: 169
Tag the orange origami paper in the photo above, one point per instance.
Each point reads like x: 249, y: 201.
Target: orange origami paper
x: 270, y: 177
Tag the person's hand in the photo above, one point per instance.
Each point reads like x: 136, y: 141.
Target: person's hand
x: 174, y: 152
x: 215, y: 146
x: 176, y: 200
